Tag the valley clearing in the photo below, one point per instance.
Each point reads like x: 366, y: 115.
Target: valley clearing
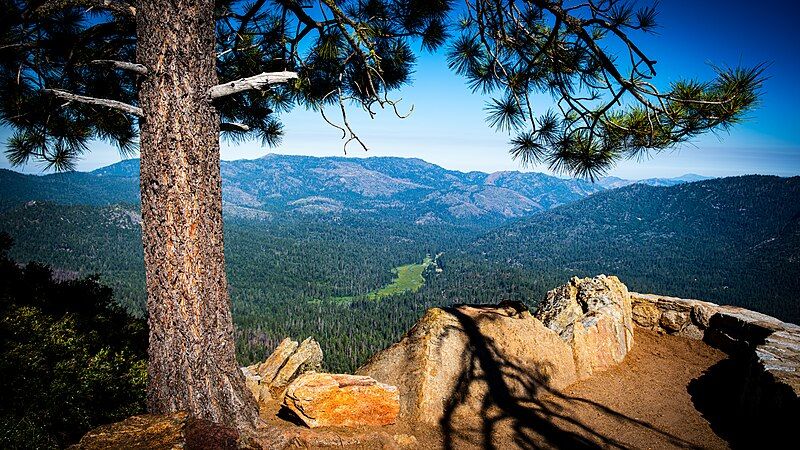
x: 408, y: 278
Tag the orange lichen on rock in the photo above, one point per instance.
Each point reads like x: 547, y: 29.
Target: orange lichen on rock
x: 322, y: 399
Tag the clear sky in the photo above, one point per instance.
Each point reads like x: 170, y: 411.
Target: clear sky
x: 447, y: 126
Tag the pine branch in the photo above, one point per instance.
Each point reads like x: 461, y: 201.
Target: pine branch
x: 256, y: 82
x: 124, y: 65
x: 113, y: 104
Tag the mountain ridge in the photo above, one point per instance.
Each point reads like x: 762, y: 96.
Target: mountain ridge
x: 418, y: 191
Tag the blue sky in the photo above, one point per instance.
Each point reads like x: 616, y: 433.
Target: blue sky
x: 447, y: 126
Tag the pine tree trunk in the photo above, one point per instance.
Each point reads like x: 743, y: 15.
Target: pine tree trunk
x: 192, y: 364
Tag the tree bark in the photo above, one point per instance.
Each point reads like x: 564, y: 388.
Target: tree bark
x: 192, y: 363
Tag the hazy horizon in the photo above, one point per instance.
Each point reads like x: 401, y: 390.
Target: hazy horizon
x: 363, y: 155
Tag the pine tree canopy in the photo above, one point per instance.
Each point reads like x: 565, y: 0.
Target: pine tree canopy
x: 69, y: 74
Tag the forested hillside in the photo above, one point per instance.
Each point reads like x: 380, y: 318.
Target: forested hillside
x: 732, y: 240
x: 287, y: 274
x: 298, y: 269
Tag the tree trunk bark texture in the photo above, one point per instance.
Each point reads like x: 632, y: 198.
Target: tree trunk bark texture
x: 192, y: 363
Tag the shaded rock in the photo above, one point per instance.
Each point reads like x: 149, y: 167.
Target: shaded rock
x: 779, y: 356
x: 149, y: 432
x: 251, y: 380
x: 738, y: 330
x: 701, y: 315
x: 673, y: 321
x: 321, y: 399
x: 451, y: 359
x: 594, y: 316
x: 267, y: 380
x: 768, y: 389
x: 692, y: 331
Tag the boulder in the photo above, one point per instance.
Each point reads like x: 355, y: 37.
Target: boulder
x: 646, y: 315
x: 270, y: 367
x: 692, y: 331
x: 322, y: 399
x: 151, y: 431
x: 684, y: 317
x: 594, y: 316
x: 456, y: 359
x: 468, y: 358
x: 673, y: 321
x: 268, y: 379
x: 560, y: 309
x: 307, y: 357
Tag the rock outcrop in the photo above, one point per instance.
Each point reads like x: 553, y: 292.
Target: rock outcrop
x: 290, y: 359
x: 453, y: 359
x: 323, y: 399
x: 457, y: 355
x: 684, y: 317
x: 592, y: 315
x: 768, y: 347
x: 493, y: 360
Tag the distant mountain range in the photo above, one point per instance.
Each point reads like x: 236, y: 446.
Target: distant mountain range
x: 381, y: 186
x: 615, y: 182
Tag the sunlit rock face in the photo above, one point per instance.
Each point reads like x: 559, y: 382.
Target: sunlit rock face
x: 474, y: 358
x: 340, y: 400
x: 454, y: 359
x: 268, y: 380
x: 592, y: 315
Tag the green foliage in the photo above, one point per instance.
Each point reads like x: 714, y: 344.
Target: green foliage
x: 607, y: 105
x: 352, y: 51
x: 70, y: 358
x: 408, y: 278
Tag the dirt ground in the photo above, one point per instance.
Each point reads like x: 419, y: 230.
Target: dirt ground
x: 645, y: 402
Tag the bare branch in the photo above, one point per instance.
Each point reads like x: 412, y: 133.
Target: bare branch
x: 119, y: 7
x: 124, y: 65
x: 113, y: 104
x: 234, y: 126
x: 257, y: 82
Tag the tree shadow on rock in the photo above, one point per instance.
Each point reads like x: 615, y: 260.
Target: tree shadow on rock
x: 518, y: 399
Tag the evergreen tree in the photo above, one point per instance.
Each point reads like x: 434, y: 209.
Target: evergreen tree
x: 170, y: 76
x: 70, y: 358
